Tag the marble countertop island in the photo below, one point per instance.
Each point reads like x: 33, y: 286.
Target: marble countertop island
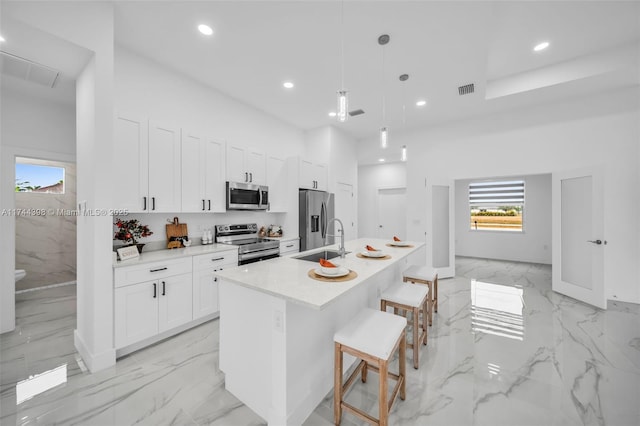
x: 277, y: 325
x: 287, y: 277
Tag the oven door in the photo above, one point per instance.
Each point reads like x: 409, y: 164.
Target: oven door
x: 257, y: 256
x: 245, y: 196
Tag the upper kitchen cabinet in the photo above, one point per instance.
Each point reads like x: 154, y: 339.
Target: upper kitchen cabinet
x: 278, y: 183
x: 246, y: 165
x: 312, y: 175
x: 203, y: 173
x: 164, y: 168
x: 131, y: 144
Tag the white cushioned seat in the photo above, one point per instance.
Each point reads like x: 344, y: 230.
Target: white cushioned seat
x: 372, y: 332
x: 421, y: 272
x: 406, y: 294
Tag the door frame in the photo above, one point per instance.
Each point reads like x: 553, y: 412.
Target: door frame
x: 430, y: 182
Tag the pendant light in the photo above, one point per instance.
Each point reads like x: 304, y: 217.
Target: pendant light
x: 384, y: 129
x: 403, y: 78
x: 343, y: 95
x: 404, y: 153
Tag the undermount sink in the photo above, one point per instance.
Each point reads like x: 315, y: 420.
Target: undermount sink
x: 315, y: 257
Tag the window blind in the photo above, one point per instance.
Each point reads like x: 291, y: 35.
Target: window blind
x: 493, y: 194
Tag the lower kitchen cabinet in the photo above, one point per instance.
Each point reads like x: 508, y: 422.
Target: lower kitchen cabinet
x: 145, y: 309
x: 205, y: 284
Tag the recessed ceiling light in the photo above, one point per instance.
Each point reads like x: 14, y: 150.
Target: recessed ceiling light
x: 381, y: 160
x: 421, y: 103
x: 541, y: 46
x: 288, y: 85
x: 332, y: 114
x: 205, y: 29
x: 2, y: 39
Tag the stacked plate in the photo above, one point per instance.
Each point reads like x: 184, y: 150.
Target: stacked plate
x: 339, y: 271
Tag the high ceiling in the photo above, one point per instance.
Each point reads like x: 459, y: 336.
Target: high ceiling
x: 257, y: 45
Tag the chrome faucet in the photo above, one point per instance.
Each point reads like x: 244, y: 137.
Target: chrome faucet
x: 341, y: 249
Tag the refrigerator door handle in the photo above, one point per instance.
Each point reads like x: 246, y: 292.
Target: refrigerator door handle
x: 323, y: 221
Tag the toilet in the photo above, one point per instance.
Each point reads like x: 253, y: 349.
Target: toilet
x: 20, y: 274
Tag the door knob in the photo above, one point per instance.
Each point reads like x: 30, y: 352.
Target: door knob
x: 598, y: 242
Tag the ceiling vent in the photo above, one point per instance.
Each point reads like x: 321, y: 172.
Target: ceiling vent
x: 466, y: 89
x: 356, y: 112
x: 25, y: 69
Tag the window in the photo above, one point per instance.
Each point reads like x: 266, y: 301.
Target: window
x: 496, y: 205
x: 36, y: 176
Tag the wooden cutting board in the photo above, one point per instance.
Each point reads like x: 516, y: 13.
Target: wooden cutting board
x: 176, y: 229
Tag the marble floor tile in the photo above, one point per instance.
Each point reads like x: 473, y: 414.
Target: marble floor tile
x: 504, y: 349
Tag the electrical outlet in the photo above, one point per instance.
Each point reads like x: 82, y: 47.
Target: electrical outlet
x: 278, y: 321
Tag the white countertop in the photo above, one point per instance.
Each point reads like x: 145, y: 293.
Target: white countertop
x: 286, y: 277
x: 162, y: 255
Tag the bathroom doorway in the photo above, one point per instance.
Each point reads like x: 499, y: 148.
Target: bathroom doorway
x: 45, y: 206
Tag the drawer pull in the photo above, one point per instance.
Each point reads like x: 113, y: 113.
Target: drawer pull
x: 217, y: 258
x: 164, y: 292
x: 290, y: 245
x: 158, y: 270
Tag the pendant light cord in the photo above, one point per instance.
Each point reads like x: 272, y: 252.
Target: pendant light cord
x: 384, y: 108
x: 342, y: 44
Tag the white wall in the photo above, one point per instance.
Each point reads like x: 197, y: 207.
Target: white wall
x: 147, y: 89
x: 370, y: 179
x: 600, y: 129
x: 532, y: 245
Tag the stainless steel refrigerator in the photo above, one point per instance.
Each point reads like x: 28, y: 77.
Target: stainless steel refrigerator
x: 316, y: 210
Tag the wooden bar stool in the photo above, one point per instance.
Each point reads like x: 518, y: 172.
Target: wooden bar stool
x: 428, y: 276
x: 373, y: 337
x: 410, y: 298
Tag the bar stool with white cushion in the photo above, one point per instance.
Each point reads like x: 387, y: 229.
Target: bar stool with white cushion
x: 373, y: 337
x: 428, y: 276
x: 410, y: 298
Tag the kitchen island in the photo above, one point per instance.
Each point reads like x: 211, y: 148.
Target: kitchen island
x: 277, y: 325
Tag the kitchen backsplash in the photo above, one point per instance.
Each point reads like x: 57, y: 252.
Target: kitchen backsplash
x: 199, y: 222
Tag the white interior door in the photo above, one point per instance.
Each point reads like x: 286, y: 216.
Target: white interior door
x: 392, y: 213
x: 578, y: 235
x: 440, y: 238
x: 345, y: 209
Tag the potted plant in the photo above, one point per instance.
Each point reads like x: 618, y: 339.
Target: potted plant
x: 129, y: 231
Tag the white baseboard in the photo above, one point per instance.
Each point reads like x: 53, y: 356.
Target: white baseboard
x: 94, y: 362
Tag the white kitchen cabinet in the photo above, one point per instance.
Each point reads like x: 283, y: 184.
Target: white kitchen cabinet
x: 145, y: 309
x: 164, y: 168
x: 131, y: 148
x: 289, y: 246
x: 205, y: 284
x: 203, y: 173
x: 278, y: 183
x: 245, y: 165
x: 312, y: 175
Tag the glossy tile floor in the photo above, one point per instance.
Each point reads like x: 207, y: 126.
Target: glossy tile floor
x: 503, y: 350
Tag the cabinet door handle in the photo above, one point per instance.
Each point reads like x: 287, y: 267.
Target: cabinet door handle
x: 250, y: 177
x: 144, y: 203
x: 158, y: 270
x: 216, y: 259
x: 290, y: 245
x: 246, y: 177
x: 153, y: 203
x: 203, y: 205
x: 209, y: 204
x: 164, y: 292
x: 154, y: 290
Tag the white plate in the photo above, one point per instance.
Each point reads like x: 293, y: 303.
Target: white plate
x: 399, y: 243
x: 340, y: 272
x: 378, y: 253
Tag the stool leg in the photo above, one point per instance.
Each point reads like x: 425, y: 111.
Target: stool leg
x: 435, y: 293
x: 364, y: 372
x: 416, y: 343
x: 425, y: 308
x: 383, y: 408
x: 403, y: 365
x: 430, y: 302
x: 337, y: 385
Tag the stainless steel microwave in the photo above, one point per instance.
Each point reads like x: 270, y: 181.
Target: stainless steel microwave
x: 247, y: 196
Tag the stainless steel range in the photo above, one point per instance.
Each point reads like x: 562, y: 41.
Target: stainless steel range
x: 251, y: 248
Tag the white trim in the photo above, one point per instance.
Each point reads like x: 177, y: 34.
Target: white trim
x: 94, y: 362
